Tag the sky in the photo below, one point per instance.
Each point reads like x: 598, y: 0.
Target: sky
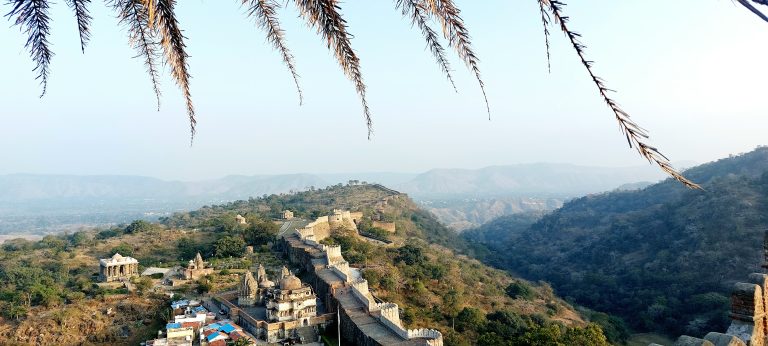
x: 688, y: 71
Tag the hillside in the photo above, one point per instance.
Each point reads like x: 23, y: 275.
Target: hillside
x: 470, y: 303
x: 524, y: 180
x: 663, y: 257
x: 466, y: 213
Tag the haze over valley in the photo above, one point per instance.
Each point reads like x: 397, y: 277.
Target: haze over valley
x: 460, y: 198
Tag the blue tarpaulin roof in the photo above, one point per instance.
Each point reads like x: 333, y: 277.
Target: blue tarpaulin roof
x: 200, y: 309
x: 173, y: 326
x: 212, y: 336
x: 227, y: 328
x: 179, y: 303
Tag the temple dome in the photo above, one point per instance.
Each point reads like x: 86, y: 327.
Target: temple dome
x: 266, y: 284
x: 290, y: 282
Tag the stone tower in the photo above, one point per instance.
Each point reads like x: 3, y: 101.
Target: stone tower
x: 285, y: 272
x: 199, y: 264
x: 248, y: 292
x: 261, y: 274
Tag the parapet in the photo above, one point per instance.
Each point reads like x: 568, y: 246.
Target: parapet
x: 720, y: 339
x: 747, y: 302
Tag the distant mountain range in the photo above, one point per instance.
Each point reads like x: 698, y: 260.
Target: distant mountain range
x: 105, y: 198
x: 540, y: 179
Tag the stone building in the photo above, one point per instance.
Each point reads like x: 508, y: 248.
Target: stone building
x: 286, y: 215
x: 291, y: 301
x: 196, y: 268
x: 284, y: 311
x: 248, y: 290
x: 117, y: 268
x: 241, y: 220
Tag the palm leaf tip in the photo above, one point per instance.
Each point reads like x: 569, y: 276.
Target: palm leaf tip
x: 265, y: 14
x: 418, y: 16
x: 545, y: 19
x: 455, y: 31
x: 83, y: 17
x: 172, y: 42
x: 635, y: 134
x: 135, y: 17
x: 32, y: 18
x: 324, y: 16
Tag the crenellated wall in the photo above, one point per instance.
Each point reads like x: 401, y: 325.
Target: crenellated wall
x: 308, y: 251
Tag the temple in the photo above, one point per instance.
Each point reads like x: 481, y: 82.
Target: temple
x: 118, y: 268
x: 196, y: 268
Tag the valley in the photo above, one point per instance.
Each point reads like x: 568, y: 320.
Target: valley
x: 664, y: 258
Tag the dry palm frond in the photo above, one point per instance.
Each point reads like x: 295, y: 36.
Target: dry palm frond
x: 754, y: 10
x: 264, y: 11
x: 324, y: 16
x: 412, y: 9
x: 458, y: 37
x: 83, y: 20
x: 545, y: 21
x: 635, y: 135
x: 172, y: 41
x: 135, y: 17
x: 32, y: 15
x: 151, y: 6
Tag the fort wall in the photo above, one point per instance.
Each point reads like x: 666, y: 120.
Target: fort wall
x: 302, y: 247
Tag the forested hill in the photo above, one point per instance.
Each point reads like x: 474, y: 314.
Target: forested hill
x: 419, y: 267
x: 664, y: 257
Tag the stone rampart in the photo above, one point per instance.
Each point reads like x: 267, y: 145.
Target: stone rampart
x: 307, y: 250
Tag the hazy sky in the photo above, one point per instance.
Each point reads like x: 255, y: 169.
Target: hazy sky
x: 690, y: 71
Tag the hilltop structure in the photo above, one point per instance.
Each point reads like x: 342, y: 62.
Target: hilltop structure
x: 196, y: 268
x: 363, y: 319
x: 275, y: 312
x: 286, y: 215
x: 118, y: 268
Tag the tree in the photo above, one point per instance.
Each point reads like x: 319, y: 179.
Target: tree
x: 124, y: 249
x: 16, y: 312
x: 154, y: 32
x: 410, y: 255
x: 204, y: 285
x: 229, y: 246
x: 139, y: 226
x: 259, y: 231
x: 591, y: 335
x: 519, y: 289
x: 469, y: 319
x: 143, y: 284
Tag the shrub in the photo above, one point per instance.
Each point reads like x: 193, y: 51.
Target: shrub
x: 520, y: 289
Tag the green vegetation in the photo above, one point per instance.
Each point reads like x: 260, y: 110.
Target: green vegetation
x: 508, y: 328
x: 434, y: 286
x: 229, y: 246
x: 657, y: 257
x: 520, y: 289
